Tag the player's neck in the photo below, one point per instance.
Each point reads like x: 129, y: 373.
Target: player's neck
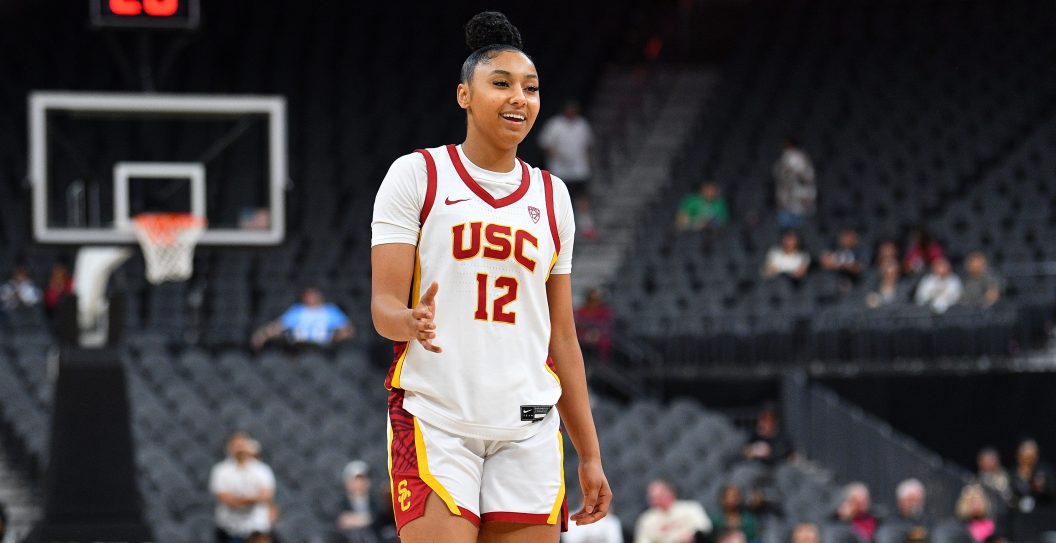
x: 489, y: 157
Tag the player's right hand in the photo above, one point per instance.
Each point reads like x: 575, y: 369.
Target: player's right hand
x: 423, y: 316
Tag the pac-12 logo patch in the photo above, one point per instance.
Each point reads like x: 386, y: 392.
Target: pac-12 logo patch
x: 534, y: 213
x: 403, y: 495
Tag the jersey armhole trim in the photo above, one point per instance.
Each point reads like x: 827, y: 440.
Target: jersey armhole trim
x: 430, y: 191
x: 548, y: 189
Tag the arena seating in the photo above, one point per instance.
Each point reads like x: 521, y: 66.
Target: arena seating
x: 315, y: 412
x: 953, y: 139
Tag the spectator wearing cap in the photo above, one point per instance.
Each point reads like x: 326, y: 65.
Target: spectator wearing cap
x: 312, y: 322
x: 244, y: 488
x: 358, y: 520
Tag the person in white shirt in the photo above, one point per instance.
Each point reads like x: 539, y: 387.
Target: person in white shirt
x: 244, y: 488
x: 567, y: 139
x: 939, y: 289
x: 19, y: 291
x: 788, y: 259
x: 668, y: 519
x: 796, y: 188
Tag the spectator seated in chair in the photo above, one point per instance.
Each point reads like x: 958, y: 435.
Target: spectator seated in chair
x: 313, y: 322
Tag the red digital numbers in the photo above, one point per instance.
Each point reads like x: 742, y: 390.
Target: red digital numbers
x: 154, y: 8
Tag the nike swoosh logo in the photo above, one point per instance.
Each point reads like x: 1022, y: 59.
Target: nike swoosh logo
x: 449, y: 201
x: 528, y: 411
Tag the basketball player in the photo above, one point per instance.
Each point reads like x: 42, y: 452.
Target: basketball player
x: 471, y: 262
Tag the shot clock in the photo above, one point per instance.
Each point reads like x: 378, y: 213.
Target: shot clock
x: 174, y: 14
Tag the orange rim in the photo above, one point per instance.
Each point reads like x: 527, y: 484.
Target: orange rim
x: 162, y: 228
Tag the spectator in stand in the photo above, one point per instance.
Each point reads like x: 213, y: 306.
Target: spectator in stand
x: 567, y: 140
x: 796, y: 188
x: 356, y: 522
x: 606, y: 530
x: 886, y: 251
x: 668, y: 519
x: 806, y: 532
x: 922, y: 251
x: 19, y: 291
x: 244, y: 488
x: 992, y: 476
x: 854, y: 511
x: 982, y: 288
x: 594, y: 325
x: 788, y: 260
x: 940, y: 289
x: 703, y: 210
x: 585, y: 226
x: 313, y: 322
x: 731, y: 536
x: 846, y: 259
x: 734, y: 515
x: 768, y: 444
x: 973, y: 508
x: 889, y: 290
x: 1032, y: 479
x: 60, y: 285
x: 910, y: 498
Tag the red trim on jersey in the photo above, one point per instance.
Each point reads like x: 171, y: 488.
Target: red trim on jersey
x: 409, y: 491
x: 479, y: 190
x: 548, y: 189
x: 430, y: 192
x: 397, y: 350
x: 526, y: 518
x: 470, y: 516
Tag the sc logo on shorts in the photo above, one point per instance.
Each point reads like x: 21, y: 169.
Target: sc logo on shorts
x: 403, y: 495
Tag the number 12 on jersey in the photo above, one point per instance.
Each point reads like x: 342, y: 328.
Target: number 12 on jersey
x: 498, y: 311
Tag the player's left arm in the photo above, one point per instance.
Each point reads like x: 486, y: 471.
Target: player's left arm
x: 574, y: 405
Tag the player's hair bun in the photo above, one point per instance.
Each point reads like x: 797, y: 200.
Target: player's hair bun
x: 491, y: 28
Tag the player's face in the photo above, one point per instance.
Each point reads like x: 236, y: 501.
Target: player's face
x: 502, y: 99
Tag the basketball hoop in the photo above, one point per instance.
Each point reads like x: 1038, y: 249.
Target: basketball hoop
x: 168, y: 241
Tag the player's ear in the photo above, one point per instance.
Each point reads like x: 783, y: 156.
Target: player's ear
x: 462, y: 95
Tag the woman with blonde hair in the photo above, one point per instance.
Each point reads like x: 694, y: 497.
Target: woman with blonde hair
x: 973, y: 508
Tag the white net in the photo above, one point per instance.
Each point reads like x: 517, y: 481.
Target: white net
x: 168, y: 241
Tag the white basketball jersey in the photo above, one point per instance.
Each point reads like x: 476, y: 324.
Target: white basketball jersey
x: 491, y: 258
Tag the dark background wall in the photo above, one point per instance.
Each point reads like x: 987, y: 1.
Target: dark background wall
x: 956, y: 415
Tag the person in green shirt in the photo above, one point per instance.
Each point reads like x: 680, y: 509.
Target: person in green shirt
x: 734, y: 516
x: 705, y: 209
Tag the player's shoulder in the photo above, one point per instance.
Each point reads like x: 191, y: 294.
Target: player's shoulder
x: 536, y: 173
